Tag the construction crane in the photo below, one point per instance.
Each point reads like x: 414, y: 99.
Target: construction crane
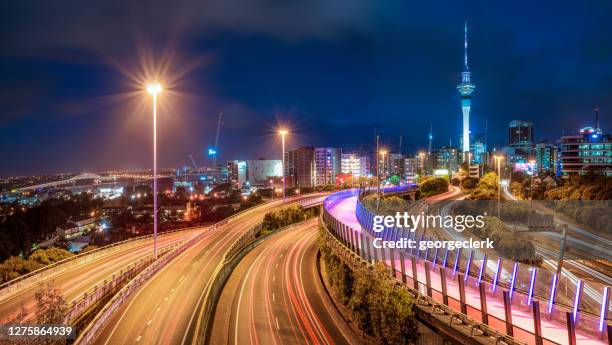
x: 195, y: 166
x: 216, y: 148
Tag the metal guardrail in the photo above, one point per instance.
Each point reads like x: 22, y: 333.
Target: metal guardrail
x: 92, y: 297
x: 90, y: 333
x: 423, y: 302
x: 42, y: 274
x: 232, y: 256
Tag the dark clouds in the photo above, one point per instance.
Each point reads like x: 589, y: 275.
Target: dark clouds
x: 336, y: 70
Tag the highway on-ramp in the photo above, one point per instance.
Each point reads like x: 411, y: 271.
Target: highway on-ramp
x: 275, y: 296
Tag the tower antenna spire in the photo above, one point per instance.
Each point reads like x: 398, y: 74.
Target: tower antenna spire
x: 430, y: 139
x: 465, y: 46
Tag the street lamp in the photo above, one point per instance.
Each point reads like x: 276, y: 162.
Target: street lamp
x: 382, y: 153
x: 422, y: 162
x: 532, y: 162
x: 498, y: 160
x: 153, y: 89
x: 282, y: 133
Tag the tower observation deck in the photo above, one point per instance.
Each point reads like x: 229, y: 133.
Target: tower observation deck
x: 466, y: 88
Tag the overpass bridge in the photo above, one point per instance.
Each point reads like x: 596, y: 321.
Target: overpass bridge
x: 88, y: 176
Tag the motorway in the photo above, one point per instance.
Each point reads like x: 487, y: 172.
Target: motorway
x: 74, y: 281
x: 275, y: 296
x: 598, y: 248
x: 166, y: 309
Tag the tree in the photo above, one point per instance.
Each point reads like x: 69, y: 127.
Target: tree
x: 389, y: 205
x: 51, y: 309
x: 40, y: 256
x: 433, y: 185
x: 469, y: 182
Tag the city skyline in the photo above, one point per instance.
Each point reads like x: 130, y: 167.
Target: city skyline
x: 63, y: 113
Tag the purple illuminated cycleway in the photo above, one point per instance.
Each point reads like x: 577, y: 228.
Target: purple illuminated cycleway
x: 344, y: 211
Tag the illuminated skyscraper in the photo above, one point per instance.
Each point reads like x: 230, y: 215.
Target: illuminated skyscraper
x: 466, y: 88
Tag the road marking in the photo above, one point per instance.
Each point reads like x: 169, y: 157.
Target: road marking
x: 149, y: 323
x: 166, y: 299
x: 142, y: 288
x: 277, y: 326
x: 244, y: 281
x: 158, y: 309
x: 139, y: 337
x: 273, y: 297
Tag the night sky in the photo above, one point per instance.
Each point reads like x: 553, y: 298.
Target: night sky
x: 335, y: 72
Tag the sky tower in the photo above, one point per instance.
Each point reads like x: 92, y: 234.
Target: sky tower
x: 466, y: 88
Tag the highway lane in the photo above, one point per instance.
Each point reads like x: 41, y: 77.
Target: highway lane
x: 275, y: 296
x: 596, y: 243
x: 165, y: 309
x: 73, y: 282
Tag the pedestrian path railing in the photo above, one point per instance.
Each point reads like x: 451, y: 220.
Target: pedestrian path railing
x: 471, y: 286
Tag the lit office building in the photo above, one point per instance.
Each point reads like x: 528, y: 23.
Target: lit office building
x: 356, y: 165
x: 588, y: 151
x: 447, y: 157
x: 255, y: 172
x: 411, y: 169
x: 546, y: 158
x: 478, y: 149
x: 327, y: 163
x: 520, y: 141
x: 299, y: 166
x: 309, y: 166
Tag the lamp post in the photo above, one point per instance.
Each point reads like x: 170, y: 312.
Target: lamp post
x: 498, y: 160
x: 532, y: 162
x: 382, y: 153
x: 422, y: 163
x: 283, y: 132
x: 153, y: 89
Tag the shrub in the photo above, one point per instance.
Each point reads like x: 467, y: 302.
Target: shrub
x: 286, y: 216
x: 379, y: 307
x: 433, y: 185
x: 389, y: 205
x: 469, y: 182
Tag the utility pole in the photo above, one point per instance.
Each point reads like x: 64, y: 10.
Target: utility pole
x: 377, y: 168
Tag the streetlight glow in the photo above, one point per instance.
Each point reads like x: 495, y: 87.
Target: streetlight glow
x: 283, y: 132
x: 154, y: 88
x: 498, y: 160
